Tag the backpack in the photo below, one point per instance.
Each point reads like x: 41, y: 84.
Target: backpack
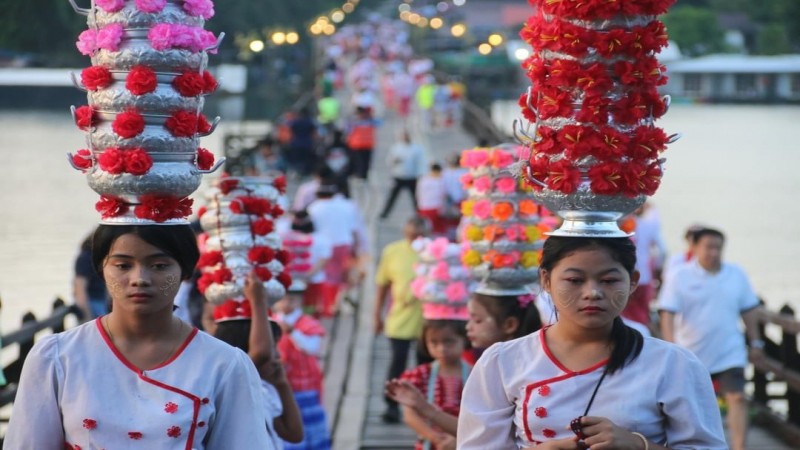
x: 362, y: 136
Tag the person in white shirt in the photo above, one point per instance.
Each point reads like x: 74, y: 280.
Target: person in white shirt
x: 406, y: 161
x: 588, y: 381
x: 700, y: 305
x: 678, y: 259
x: 431, y: 199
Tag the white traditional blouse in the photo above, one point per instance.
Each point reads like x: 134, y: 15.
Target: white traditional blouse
x: 518, y: 395
x: 78, y: 392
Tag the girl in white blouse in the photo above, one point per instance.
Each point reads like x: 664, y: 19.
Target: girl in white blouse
x: 138, y: 377
x: 589, y: 380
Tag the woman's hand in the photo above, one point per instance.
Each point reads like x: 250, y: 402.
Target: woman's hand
x: 405, y: 393
x: 445, y: 442
x: 254, y: 290
x: 559, y: 444
x: 603, y: 434
x: 272, y: 372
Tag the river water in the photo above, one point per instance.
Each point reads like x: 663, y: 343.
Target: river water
x: 736, y: 168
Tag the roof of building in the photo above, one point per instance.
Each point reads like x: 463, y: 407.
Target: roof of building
x: 731, y: 63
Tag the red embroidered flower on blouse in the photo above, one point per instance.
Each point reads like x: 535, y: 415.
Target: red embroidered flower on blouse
x: 171, y: 408
x: 135, y: 435
x: 540, y: 412
x: 174, y: 431
x: 89, y: 424
x: 544, y: 391
x: 548, y: 433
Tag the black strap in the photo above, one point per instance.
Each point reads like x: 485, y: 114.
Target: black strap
x: 597, y: 386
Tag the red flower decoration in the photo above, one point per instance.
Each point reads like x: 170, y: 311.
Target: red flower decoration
x: 538, y: 170
x: 226, y: 186
x: 250, y: 205
x: 262, y: 227
x: 607, y: 178
x: 208, y: 259
x: 555, y: 103
x: 527, y: 113
x: 222, y: 275
x: 544, y: 391
x: 283, y: 256
x: 137, y: 161
x: 182, y: 124
x: 548, y: 433
x: 642, y: 179
x: 540, y: 412
x: 84, y: 117
x: 141, y: 80
x: 563, y: 176
x: 189, y: 84
x: 647, y: 143
x: 109, y: 206
x: 82, y: 159
x: 89, y: 424
x: 174, y: 431
x: 171, y: 408
x: 548, y: 142
x: 201, y: 211
x: 280, y: 184
x: 128, y: 124
x: 263, y: 273
x: 112, y: 161
x: 163, y: 208
x: 228, y: 310
x: 203, y: 127
x: 285, y: 279
x: 96, y: 77
x: 610, y: 144
x: 210, y: 83
x: 261, y: 255
x: 135, y: 435
x: 205, y: 159
x: 276, y: 210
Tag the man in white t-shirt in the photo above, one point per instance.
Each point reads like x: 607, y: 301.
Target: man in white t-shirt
x: 700, y: 305
x: 406, y: 161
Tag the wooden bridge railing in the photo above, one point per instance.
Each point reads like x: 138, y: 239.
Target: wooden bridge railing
x: 780, y: 364
x: 24, y: 337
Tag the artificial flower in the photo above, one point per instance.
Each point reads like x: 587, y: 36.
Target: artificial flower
x: 110, y: 36
x: 262, y: 227
x: 227, y: 185
x: 594, y: 110
x: 492, y: 232
x: 211, y: 83
x: 285, y: 279
x: 110, y: 6
x: 141, y: 80
x: 577, y: 141
x: 283, y: 256
x: 547, y: 141
x: 471, y: 258
x: 641, y: 179
x: 205, y: 159
x: 529, y: 259
x: 514, y: 232
x: 137, y: 161
x: 438, y: 247
x: 473, y: 233
x: 482, y: 184
x: 502, y: 211
x: 189, y: 84
x: 128, y: 124
x: 260, y: 255
x: 230, y: 309
x: 536, y: 171
x: 112, y: 161
x: 151, y: 6
x: 610, y: 144
x: 276, y: 210
x: 501, y: 159
x: 555, y: 103
x: 482, y: 209
x: 467, y: 207
x: 533, y: 233
x: 527, y: 112
x: 182, y: 124
x: 607, y: 178
x: 209, y: 259
x: 87, y: 42
x: 418, y: 287
x: 502, y: 260
x: 110, y: 206
x: 456, y: 292
x: 163, y: 208
x: 199, y: 8
x: 563, y: 176
x: 440, y: 271
x: 160, y: 36
x: 505, y: 185
x: 263, y: 273
x: 475, y: 158
x: 82, y: 159
x: 96, y: 77
x: 467, y: 180
x: 250, y: 205
x: 203, y: 127
x: 279, y: 183
x: 201, y: 211
x: 85, y: 117
x: 528, y: 207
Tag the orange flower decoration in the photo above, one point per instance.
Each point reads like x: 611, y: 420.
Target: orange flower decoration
x: 492, y: 232
x: 502, y: 211
x: 528, y: 207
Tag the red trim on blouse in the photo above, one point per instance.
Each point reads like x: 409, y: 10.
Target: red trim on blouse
x: 569, y: 374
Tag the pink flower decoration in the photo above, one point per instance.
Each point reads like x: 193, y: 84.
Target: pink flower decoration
x: 441, y: 271
x: 110, y: 5
x: 482, y: 184
x: 150, y: 6
x: 438, y: 247
x: 482, y: 209
x: 476, y: 158
x: 208, y: 40
x: 418, y: 287
x: 183, y: 37
x: 160, y: 36
x: 466, y: 180
x: 506, y: 185
x: 200, y: 8
x: 502, y: 159
x: 515, y: 232
x: 523, y: 153
x: 110, y: 36
x: 87, y: 42
x: 456, y: 292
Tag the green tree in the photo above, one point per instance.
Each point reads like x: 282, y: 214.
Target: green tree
x: 773, y: 40
x: 695, y: 30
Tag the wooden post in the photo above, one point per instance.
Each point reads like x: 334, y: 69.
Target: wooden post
x: 760, y: 377
x: 791, y: 360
